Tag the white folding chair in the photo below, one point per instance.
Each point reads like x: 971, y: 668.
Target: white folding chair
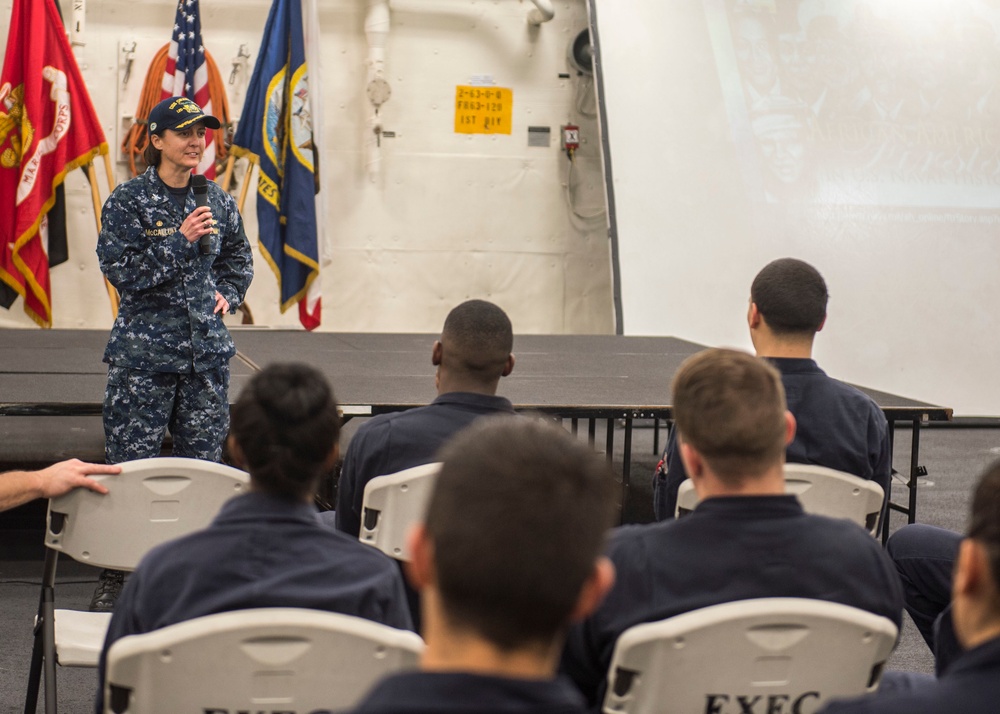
x: 822, y: 491
x: 268, y: 659
x: 151, y: 501
x: 827, y: 492
x: 687, y: 498
x: 392, y: 504
x: 766, y: 655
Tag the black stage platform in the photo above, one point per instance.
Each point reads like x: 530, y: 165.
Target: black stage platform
x: 59, y: 373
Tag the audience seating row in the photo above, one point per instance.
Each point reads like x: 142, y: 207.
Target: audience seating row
x: 300, y: 660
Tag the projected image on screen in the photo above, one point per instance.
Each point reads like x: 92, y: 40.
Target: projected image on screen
x: 863, y: 102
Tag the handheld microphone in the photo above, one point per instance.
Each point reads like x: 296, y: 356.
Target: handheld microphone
x: 199, y: 185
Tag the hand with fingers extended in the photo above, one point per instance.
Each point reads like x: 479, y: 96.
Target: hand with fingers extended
x: 221, y: 304
x: 17, y: 487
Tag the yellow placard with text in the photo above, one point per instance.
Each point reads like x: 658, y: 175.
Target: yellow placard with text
x: 483, y: 110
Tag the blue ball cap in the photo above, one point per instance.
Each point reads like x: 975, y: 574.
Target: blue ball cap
x: 178, y: 113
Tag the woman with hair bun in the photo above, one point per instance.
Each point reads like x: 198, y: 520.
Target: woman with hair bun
x: 267, y: 548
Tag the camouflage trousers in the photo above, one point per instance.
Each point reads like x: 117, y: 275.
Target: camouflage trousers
x: 139, y: 407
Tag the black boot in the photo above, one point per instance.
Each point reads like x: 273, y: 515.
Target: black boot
x: 109, y: 587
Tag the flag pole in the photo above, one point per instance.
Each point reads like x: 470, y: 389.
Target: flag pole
x: 96, y: 196
x: 110, y: 172
x: 227, y: 177
x: 244, y: 189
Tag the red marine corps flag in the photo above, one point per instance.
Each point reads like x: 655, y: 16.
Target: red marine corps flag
x: 47, y: 129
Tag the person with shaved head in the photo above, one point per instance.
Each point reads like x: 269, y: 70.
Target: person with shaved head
x: 472, y: 355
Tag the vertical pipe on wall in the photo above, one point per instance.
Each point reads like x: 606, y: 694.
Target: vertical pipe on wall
x: 377, y: 27
x: 77, y: 24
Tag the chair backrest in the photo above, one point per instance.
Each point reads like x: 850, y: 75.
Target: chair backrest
x: 822, y: 491
x: 269, y: 659
x: 392, y: 504
x: 151, y: 501
x: 687, y: 498
x: 766, y: 655
x: 827, y: 492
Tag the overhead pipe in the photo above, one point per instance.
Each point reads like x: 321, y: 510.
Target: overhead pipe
x: 543, y: 12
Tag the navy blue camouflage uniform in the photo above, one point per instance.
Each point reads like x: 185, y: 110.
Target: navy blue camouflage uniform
x: 169, y: 354
x: 836, y: 426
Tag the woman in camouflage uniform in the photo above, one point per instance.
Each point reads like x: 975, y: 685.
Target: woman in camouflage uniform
x: 168, y: 356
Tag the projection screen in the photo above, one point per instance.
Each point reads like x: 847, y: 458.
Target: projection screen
x: 862, y: 136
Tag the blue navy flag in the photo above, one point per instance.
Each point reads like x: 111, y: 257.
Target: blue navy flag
x: 276, y: 131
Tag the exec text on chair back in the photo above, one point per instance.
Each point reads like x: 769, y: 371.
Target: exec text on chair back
x: 786, y: 655
x: 392, y: 504
x: 821, y: 491
x: 259, y: 660
x: 151, y: 501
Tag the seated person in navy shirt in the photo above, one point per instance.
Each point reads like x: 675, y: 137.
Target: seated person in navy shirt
x: 838, y: 426
x: 508, y: 557
x: 971, y: 684
x: 745, y: 539
x: 267, y: 547
x: 474, y: 352
x: 925, y: 559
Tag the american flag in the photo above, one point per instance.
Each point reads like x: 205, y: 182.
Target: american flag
x: 186, y: 74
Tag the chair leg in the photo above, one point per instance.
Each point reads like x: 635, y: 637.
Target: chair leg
x: 35, y: 670
x: 43, y: 656
x: 49, y: 651
x: 43, y: 650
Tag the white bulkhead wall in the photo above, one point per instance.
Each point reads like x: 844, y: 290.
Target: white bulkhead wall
x: 444, y: 217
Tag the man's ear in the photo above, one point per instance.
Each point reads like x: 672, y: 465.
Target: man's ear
x: 790, y: 426
x: 595, y: 588
x: 420, y: 568
x: 509, y: 366
x: 436, y: 351
x: 823, y: 322
x: 693, y: 463
x: 753, y: 316
x: 971, y: 569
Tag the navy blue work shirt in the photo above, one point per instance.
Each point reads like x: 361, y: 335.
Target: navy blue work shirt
x: 259, y: 551
x: 837, y: 426
x: 463, y: 693
x: 729, y: 548
x: 166, y: 320
x: 392, y: 442
x: 971, y: 685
